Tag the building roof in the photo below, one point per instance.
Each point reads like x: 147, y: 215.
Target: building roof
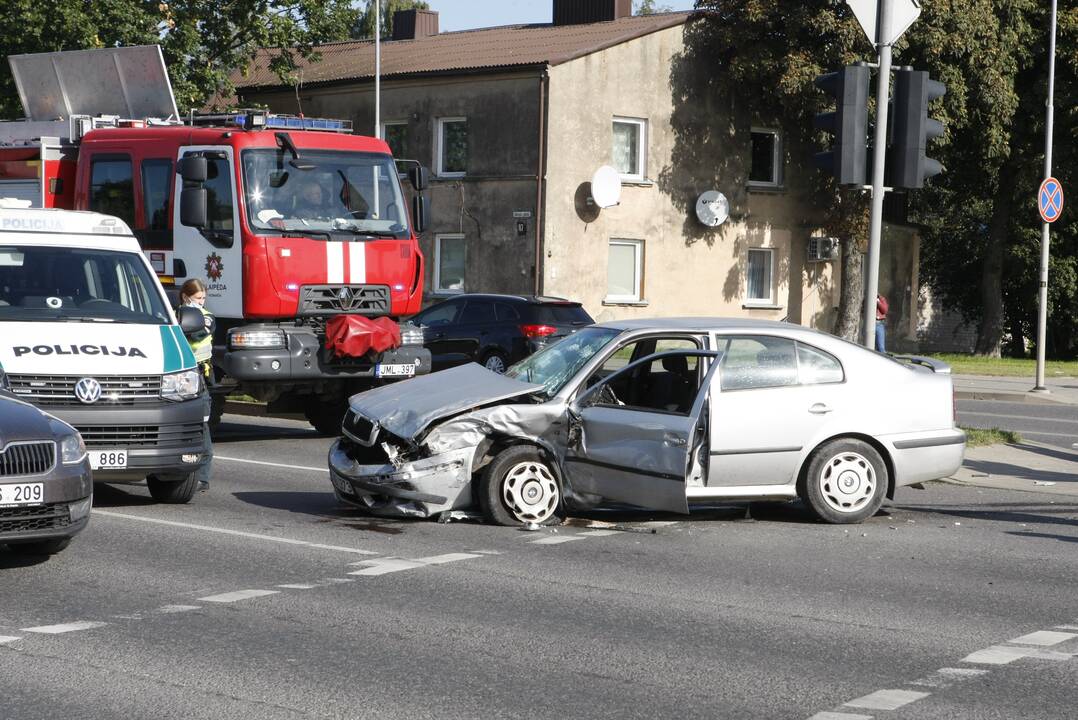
x: 462, y: 51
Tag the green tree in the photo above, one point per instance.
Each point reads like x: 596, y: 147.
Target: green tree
x: 202, y: 41
x: 648, y: 7
x: 364, y: 25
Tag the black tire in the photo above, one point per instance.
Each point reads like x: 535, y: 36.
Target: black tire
x: 498, y: 360
x: 326, y: 418
x: 172, y: 489
x: 845, y: 481
x: 521, y: 486
x: 42, y: 547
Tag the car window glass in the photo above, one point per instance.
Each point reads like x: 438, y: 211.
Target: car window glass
x: 666, y: 385
x: 666, y: 344
x: 442, y: 314
x: 563, y: 315
x: 112, y: 187
x: 758, y: 362
x: 506, y: 312
x: 478, y: 311
x: 816, y: 367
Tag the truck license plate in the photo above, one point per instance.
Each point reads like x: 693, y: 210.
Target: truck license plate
x: 394, y: 369
x: 22, y: 494
x: 108, y: 459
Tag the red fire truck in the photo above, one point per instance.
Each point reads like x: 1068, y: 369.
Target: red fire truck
x: 293, y: 224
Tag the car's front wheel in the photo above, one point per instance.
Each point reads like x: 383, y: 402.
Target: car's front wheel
x: 846, y: 481
x: 520, y: 486
x: 172, y: 489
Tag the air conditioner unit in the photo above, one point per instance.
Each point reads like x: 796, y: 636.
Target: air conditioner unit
x: 822, y: 249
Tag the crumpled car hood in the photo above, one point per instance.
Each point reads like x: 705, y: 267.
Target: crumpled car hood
x: 407, y: 408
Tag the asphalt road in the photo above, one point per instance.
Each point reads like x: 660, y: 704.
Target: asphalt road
x: 1047, y: 422
x: 264, y: 599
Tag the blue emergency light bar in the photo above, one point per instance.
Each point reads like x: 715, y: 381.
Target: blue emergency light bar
x: 255, y: 120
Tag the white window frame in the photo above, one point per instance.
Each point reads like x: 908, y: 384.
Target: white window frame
x: 641, y: 147
x: 770, y: 299
x: 439, y: 128
x: 437, y: 287
x: 776, y: 158
x: 638, y: 271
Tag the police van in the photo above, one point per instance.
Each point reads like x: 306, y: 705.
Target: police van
x: 87, y: 334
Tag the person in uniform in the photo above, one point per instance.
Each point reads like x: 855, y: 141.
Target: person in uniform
x: 193, y: 294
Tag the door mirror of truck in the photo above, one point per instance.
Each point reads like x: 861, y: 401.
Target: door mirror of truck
x: 420, y: 213
x: 419, y: 176
x: 179, y: 268
x: 191, y: 320
x: 193, y: 206
x: 193, y: 168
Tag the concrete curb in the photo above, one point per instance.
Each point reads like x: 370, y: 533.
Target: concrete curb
x: 1031, y: 398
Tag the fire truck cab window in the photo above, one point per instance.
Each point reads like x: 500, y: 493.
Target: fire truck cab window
x: 157, y: 178
x: 112, y: 187
x: 219, y: 194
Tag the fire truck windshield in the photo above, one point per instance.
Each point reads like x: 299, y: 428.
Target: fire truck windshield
x: 42, y: 283
x: 344, y: 191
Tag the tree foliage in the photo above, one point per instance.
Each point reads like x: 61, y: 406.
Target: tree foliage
x: 364, y: 25
x: 203, y: 41
x: 648, y: 7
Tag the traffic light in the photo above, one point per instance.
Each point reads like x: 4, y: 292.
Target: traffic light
x: 848, y: 123
x: 907, y: 166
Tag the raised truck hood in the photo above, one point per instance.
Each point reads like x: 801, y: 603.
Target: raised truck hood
x: 407, y: 408
x: 90, y: 348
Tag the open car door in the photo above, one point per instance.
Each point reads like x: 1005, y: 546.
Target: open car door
x: 637, y: 454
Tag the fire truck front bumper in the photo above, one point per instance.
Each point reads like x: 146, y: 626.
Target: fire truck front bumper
x: 295, y: 354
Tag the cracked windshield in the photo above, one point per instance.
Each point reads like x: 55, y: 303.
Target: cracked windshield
x: 324, y: 191
x: 552, y: 366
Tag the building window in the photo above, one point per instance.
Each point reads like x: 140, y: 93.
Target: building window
x: 451, y: 147
x: 395, y: 133
x: 630, y: 148
x: 758, y: 276
x: 766, y: 170
x: 449, y: 263
x: 625, y: 271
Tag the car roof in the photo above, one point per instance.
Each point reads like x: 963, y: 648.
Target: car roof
x: 65, y: 228
x: 706, y: 324
x: 535, y: 299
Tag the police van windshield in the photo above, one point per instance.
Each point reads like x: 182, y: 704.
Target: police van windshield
x: 75, y: 284
x: 349, y: 192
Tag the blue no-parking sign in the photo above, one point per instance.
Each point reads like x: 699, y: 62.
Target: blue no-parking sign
x: 1050, y: 200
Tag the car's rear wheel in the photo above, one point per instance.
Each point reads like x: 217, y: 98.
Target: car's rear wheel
x: 42, y: 547
x: 846, y: 481
x: 520, y: 487
x: 496, y: 362
x: 172, y: 489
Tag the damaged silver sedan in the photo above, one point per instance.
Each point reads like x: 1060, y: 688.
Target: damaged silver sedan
x: 660, y: 414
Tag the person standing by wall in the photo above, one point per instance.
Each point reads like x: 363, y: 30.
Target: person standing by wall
x: 881, y: 323
x: 193, y: 294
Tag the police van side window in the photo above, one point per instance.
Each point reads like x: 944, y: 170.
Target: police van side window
x: 112, y: 187
x: 219, y: 194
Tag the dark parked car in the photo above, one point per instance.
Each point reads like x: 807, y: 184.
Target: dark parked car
x: 495, y: 330
x: 45, y: 485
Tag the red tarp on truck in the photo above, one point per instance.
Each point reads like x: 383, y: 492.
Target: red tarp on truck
x: 354, y: 335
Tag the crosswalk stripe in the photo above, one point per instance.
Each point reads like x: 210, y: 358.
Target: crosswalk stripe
x: 238, y: 595
x: 65, y: 627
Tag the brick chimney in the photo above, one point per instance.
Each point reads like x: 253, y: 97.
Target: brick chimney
x: 576, y: 12
x: 414, y: 24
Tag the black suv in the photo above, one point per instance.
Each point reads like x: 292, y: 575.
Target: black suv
x: 495, y: 330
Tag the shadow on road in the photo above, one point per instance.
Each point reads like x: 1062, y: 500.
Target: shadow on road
x: 1056, y: 453
x: 1007, y: 512
x: 1048, y: 536
x: 121, y: 496
x: 230, y: 432
x: 325, y: 508
x: 10, y: 558
x: 1004, y: 469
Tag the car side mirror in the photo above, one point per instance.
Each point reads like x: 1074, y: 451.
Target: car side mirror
x: 420, y: 213
x: 419, y: 176
x: 191, y: 320
x: 193, y: 168
x: 193, y: 207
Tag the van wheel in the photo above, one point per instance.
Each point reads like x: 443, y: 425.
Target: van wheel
x: 520, y: 486
x: 326, y: 418
x: 172, y: 489
x: 42, y: 547
x: 846, y: 481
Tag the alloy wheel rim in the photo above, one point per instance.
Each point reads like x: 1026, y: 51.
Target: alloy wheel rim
x: 495, y: 364
x: 848, y: 482
x: 530, y: 492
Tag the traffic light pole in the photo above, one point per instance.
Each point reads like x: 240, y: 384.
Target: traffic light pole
x: 1042, y: 310
x: 879, y: 150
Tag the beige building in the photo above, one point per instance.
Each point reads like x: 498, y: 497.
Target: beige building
x: 514, y: 121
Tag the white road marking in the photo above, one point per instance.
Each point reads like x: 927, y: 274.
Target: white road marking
x: 601, y: 533
x: 238, y: 595
x: 1051, y: 655
x: 271, y: 464
x: 169, y: 609
x: 1066, y: 627
x: 447, y: 558
x: 555, y: 540
x: 385, y: 566
x: 486, y: 552
x: 298, y: 586
x: 235, y: 533
x: 8, y: 638
x: 839, y: 716
x: 946, y: 677
x: 660, y: 523
x: 1043, y: 638
x: 997, y: 655
x: 65, y: 627
x: 887, y: 699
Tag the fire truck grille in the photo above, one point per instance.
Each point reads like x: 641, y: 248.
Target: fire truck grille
x: 32, y: 458
x: 335, y: 299
x: 40, y: 517
x: 129, y: 436
x: 59, y: 390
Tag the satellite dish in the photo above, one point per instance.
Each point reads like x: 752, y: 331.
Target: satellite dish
x: 606, y: 187
x: 712, y: 208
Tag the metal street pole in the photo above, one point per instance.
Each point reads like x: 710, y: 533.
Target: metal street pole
x: 378, y: 69
x: 883, y: 91
x: 1042, y: 311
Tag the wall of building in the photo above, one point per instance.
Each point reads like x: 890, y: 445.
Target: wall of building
x: 696, y: 142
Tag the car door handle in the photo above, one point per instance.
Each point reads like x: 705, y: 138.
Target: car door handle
x: 820, y: 409
x: 674, y: 440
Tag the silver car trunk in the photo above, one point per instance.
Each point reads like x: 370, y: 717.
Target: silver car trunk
x: 405, y: 409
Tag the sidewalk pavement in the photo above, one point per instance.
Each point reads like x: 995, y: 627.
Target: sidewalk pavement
x: 1061, y: 389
